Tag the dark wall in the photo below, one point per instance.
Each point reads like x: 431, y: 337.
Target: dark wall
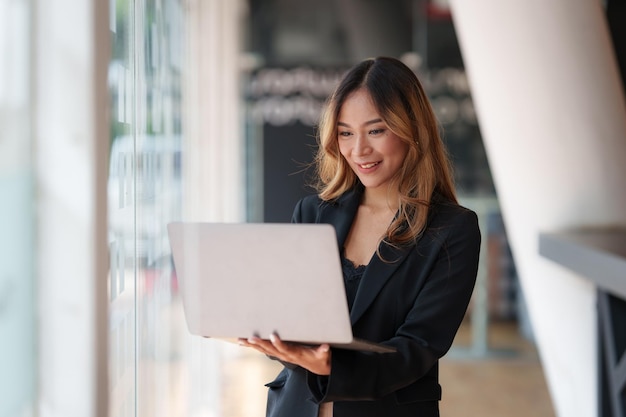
x: 328, y: 32
x: 288, y: 151
x: 616, y: 17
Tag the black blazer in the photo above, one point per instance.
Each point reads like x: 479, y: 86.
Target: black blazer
x: 414, y: 302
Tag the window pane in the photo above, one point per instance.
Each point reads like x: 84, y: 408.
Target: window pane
x: 144, y: 194
x: 121, y: 209
x: 17, y: 306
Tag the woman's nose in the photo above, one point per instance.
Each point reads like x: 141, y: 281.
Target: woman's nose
x: 362, y: 145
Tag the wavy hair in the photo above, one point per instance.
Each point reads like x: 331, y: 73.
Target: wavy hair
x: 404, y: 107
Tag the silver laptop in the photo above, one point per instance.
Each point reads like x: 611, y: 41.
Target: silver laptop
x: 243, y: 279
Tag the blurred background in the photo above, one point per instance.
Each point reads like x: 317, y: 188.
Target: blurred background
x: 120, y: 116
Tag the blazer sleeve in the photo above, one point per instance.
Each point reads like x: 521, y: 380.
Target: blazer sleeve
x: 426, y: 333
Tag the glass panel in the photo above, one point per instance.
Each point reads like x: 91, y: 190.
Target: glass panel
x: 121, y: 209
x: 17, y: 300
x: 144, y: 195
x: 158, y: 40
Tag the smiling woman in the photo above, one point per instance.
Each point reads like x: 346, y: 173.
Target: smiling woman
x: 409, y: 253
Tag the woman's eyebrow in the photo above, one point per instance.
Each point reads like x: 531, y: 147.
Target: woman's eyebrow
x: 369, y: 122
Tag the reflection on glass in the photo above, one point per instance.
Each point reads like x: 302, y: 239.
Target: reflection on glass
x: 143, y: 196
x: 17, y: 221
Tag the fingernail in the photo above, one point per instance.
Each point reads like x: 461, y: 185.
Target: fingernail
x: 273, y: 337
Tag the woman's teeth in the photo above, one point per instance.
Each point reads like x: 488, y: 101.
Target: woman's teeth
x: 370, y: 165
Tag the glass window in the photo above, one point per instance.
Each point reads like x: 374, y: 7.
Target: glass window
x: 17, y: 297
x: 144, y: 194
x: 17, y: 222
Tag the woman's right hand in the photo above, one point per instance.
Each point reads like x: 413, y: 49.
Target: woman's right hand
x: 315, y: 359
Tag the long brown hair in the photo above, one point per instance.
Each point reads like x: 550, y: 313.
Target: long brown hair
x: 404, y: 107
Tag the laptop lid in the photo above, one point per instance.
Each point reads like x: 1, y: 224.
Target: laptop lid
x: 244, y: 279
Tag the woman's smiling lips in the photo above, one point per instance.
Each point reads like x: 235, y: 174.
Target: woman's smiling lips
x: 368, y: 165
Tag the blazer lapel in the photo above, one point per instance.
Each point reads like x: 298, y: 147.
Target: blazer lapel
x: 376, y: 275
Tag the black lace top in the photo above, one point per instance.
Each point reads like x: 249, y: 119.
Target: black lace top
x: 352, y: 277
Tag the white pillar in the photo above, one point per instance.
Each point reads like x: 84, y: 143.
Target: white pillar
x: 552, y: 114
x: 214, y: 164
x: 71, y: 147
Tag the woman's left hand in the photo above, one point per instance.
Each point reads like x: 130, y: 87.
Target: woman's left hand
x: 314, y: 359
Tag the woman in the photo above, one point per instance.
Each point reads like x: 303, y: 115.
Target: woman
x: 409, y: 253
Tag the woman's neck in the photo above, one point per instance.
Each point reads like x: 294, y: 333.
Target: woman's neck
x: 380, y: 199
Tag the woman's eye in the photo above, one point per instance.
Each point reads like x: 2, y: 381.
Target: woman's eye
x: 376, y: 131
x: 344, y: 134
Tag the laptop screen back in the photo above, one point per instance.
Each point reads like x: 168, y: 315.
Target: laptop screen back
x: 244, y: 279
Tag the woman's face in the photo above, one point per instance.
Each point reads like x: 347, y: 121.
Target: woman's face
x: 374, y: 153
